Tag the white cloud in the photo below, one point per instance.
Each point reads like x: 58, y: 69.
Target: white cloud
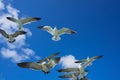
x: 69, y: 61
x: 28, y: 51
x: 2, y: 6
x: 13, y: 55
x: 10, y: 50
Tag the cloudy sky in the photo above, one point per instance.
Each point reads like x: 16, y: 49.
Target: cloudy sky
x: 98, y: 33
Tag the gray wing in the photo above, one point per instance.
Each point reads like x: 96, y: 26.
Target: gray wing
x: 31, y: 19
x: 12, y: 19
x: 31, y: 65
x: 66, y: 30
x: 53, y: 62
x: 96, y: 57
x: 81, y: 61
x: 71, y: 75
x: 91, y: 59
x: 68, y: 70
x: 17, y: 33
x: 46, y: 28
x: 4, y: 33
x: 49, y: 57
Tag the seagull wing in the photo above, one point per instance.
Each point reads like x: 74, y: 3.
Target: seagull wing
x: 31, y: 65
x: 4, y: 33
x: 66, y: 30
x: 97, y: 57
x: 32, y: 19
x: 19, y: 33
x: 12, y: 19
x: 81, y: 61
x: 53, y: 62
x: 49, y: 57
x: 68, y: 70
x: 47, y: 28
x: 71, y: 75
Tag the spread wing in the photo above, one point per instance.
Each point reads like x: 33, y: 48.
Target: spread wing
x: 31, y: 19
x: 68, y: 70
x: 72, y: 75
x: 12, y: 19
x: 66, y: 30
x: 31, y: 65
x: 46, y: 28
x: 17, y: 33
x: 4, y: 33
x: 49, y: 57
x: 53, y: 62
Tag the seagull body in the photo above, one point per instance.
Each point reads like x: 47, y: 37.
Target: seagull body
x: 21, y: 22
x: 11, y: 37
x: 56, y: 33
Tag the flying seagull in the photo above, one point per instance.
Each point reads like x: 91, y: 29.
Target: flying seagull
x: 21, y: 22
x: 11, y: 37
x: 57, y: 33
x: 88, y: 61
x: 48, y: 58
x: 43, y: 66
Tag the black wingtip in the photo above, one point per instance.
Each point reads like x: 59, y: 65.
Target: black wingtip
x: 8, y: 17
x: 37, y: 18
x: 59, y: 70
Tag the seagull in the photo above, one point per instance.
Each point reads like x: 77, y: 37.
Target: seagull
x: 11, y: 37
x: 48, y: 58
x: 43, y: 66
x: 21, y: 22
x: 57, y: 33
x: 88, y: 61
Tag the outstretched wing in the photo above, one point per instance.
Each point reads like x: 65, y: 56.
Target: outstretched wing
x: 12, y: 19
x: 96, y: 57
x: 31, y: 65
x: 46, y: 28
x: 18, y: 33
x: 66, y: 30
x: 53, y: 62
x: 71, y: 75
x: 49, y: 57
x: 31, y: 19
x: 68, y: 70
x: 4, y: 33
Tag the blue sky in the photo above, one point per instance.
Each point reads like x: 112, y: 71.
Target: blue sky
x: 98, y: 33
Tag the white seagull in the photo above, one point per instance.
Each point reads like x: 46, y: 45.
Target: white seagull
x: 21, y: 22
x: 11, y: 37
x: 57, y: 33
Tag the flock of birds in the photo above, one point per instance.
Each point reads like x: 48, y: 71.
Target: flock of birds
x: 53, y: 31
x: 48, y: 63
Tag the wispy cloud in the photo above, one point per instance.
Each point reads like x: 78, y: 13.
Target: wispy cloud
x: 68, y: 61
x: 10, y: 50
